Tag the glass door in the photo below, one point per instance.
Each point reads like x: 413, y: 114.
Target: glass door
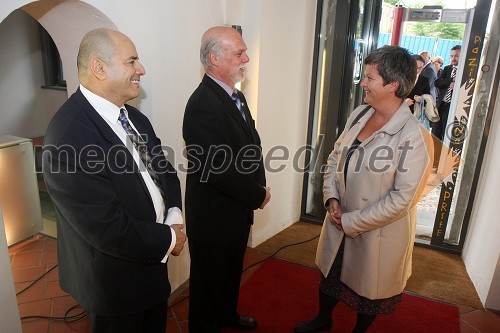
x: 346, y: 32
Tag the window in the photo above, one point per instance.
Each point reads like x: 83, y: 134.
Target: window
x: 52, y: 64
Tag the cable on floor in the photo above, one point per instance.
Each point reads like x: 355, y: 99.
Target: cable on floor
x: 82, y: 314
x: 38, y: 279
x: 255, y: 263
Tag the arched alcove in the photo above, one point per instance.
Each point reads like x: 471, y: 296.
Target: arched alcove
x: 67, y: 22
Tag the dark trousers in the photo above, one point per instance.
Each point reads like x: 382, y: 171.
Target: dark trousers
x: 439, y: 127
x: 439, y: 130
x: 153, y: 320
x: 214, y: 283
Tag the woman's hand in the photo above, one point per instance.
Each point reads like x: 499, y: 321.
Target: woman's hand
x: 409, y: 102
x: 335, y: 213
x: 417, y: 98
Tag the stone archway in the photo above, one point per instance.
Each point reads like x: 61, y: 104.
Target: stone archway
x: 67, y: 22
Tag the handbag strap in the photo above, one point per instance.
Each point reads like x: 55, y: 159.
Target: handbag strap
x: 360, y: 115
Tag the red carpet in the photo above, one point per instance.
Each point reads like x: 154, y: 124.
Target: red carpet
x: 281, y: 294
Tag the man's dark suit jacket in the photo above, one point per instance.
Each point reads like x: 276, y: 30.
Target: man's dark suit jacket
x: 109, y: 246
x: 421, y: 87
x: 429, y: 71
x: 443, y: 82
x: 226, y: 179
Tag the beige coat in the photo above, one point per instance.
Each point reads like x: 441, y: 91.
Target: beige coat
x: 384, y: 181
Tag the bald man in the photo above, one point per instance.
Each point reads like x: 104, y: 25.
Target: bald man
x: 117, y: 198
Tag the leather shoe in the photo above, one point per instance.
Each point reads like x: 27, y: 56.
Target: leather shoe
x: 314, y: 325
x: 245, y: 323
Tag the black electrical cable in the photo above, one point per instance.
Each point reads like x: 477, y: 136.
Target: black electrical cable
x: 65, y: 318
x: 278, y: 250
x: 38, y: 279
x: 82, y: 314
x: 254, y: 264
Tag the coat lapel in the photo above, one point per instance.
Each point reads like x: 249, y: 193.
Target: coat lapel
x: 230, y: 106
x: 124, y: 157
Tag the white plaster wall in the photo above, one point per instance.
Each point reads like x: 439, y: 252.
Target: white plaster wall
x: 281, y: 94
x: 26, y: 107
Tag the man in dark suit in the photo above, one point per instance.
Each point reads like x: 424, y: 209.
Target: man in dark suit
x: 421, y: 85
x: 445, y: 83
x: 112, y: 188
x: 429, y: 72
x: 225, y: 183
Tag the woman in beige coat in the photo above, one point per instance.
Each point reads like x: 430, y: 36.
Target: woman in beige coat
x: 372, y: 183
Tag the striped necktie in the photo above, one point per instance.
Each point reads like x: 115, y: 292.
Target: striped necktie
x: 141, y: 148
x: 447, y: 96
x: 237, y: 101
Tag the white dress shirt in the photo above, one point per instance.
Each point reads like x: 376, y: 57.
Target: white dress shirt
x: 110, y: 113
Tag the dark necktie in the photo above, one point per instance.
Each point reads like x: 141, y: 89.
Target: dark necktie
x: 447, y: 96
x: 237, y: 101
x: 141, y: 148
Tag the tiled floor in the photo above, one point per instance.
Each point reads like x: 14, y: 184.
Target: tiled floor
x: 33, y: 257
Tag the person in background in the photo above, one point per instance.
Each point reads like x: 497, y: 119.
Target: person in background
x: 118, y: 214
x: 438, y: 62
x: 421, y: 85
x: 366, y: 242
x: 445, y: 83
x: 429, y: 71
x: 225, y: 183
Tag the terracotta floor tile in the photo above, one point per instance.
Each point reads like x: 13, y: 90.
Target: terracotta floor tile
x: 50, y: 245
x: 37, y: 308
x: 53, y: 275
x: 53, y: 290
x: 466, y: 328
x: 183, y: 325
x: 26, y: 259
x: 170, y: 313
x: 34, y: 293
x: 465, y: 309
x: 483, y: 321
x: 181, y: 310
x: 34, y: 243
x: 172, y: 326
x: 28, y: 274
x: 49, y: 258
x: 35, y: 326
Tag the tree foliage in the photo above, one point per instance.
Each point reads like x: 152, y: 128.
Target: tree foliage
x: 431, y: 29
x: 441, y: 30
